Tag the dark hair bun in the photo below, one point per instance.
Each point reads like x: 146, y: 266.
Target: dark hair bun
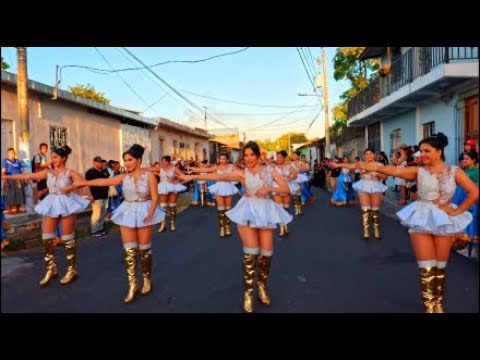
x: 63, y: 150
x: 137, y: 151
x: 443, y: 139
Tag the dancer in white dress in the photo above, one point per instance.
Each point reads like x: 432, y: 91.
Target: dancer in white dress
x: 222, y: 190
x: 136, y: 216
x: 301, y: 178
x: 60, y: 205
x: 168, y: 189
x: 370, y: 191
x: 433, y: 220
x: 257, y: 216
x: 289, y: 174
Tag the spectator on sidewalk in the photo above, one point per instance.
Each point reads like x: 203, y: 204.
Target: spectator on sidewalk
x: 468, y: 146
x: 100, y: 196
x: 15, y: 197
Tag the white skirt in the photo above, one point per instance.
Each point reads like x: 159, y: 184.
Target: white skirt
x: 223, y: 188
x: 258, y: 213
x: 164, y: 188
x: 370, y: 186
x: 292, y: 185
x: 425, y: 217
x: 301, y: 178
x: 61, y: 205
x: 400, y: 182
x: 132, y: 214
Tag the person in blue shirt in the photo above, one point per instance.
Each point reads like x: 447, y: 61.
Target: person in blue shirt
x: 15, y: 197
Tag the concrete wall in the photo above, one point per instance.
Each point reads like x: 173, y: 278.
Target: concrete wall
x: 89, y: 134
x: 407, y: 123
x: 163, y: 144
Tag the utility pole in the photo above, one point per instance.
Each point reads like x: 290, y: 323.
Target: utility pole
x: 205, y: 118
x: 325, y: 105
x: 244, y: 137
x: 22, y: 105
x: 55, y: 89
x: 289, y: 146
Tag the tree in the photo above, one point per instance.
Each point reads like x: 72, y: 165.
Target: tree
x: 5, y: 66
x: 89, y: 92
x: 359, y: 73
x: 282, y: 142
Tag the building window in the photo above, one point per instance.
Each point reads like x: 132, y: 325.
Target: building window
x: 428, y: 129
x: 58, y: 136
x: 396, y: 137
x: 182, y: 145
x: 174, y: 147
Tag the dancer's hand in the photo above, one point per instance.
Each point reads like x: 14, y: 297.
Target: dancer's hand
x: 449, y: 210
x: 186, y: 178
x: 263, y: 191
x: 68, y: 189
x: 148, y: 219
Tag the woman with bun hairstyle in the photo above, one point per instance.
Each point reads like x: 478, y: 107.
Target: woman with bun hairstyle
x: 370, y: 191
x: 256, y: 215
x: 222, y: 190
x: 136, y: 216
x: 60, y: 206
x: 433, y: 220
x: 289, y: 174
x: 168, y: 188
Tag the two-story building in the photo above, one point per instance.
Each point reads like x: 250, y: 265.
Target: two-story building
x: 419, y: 91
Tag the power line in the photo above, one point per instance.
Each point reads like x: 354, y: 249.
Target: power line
x: 274, y: 121
x: 313, y: 120
x: 306, y: 70
x: 106, y: 71
x: 121, y: 78
x: 311, y: 65
x: 191, y: 103
x: 258, y: 114
x: 238, y: 102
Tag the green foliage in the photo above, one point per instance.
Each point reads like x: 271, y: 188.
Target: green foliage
x: 5, y: 66
x: 89, y: 92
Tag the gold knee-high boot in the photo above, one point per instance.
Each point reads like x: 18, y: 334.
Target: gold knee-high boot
x: 146, y: 258
x: 439, y: 290
x: 296, y: 204
x: 51, y: 267
x: 71, y: 251
x: 226, y: 219
x: 376, y: 223
x: 366, y: 224
x: 163, y: 224
x: 264, y: 263
x: 173, y: 216
x: 249, y: 267
x: 221, y: 222
x: 131, y: 267
x: 427, y: 284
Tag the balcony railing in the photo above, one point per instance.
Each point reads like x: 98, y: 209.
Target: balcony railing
x: 415, y: 62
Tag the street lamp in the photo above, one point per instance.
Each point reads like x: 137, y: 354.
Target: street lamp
x: 327, y: 121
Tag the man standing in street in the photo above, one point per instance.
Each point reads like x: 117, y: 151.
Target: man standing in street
x: 100, y: 196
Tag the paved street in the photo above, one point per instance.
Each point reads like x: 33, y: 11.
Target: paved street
x: 322, y: 266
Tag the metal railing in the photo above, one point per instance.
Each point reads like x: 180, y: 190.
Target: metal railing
x: 416, y: 62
